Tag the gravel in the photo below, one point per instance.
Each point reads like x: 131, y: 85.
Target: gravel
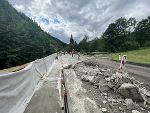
x: 104, y: 85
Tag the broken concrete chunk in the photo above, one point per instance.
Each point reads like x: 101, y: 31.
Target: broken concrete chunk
x: 95, y: 80
x: 148, y: 94
x: 87, y: 78
x: 107, y: 74
x: 104, y: 110
x: 102, y: 81
x: 121, y: 109
x: 104, y: 88
x: 104, y: 101
x: 90, y: 106
x: 84, y: 78
x: 129, y: 103
x: 90, y: 78
x: 105, y: 94
x: 148, y: 101
x: 67, y: 66
x: 94, y: 72
x: 143, y: 91
x: 103, y: 70
x: 108, y: 79
x: 103, y: 85
x: 135, y: 111
x: 118, y: 75
x: 114, y: 100
x: 128, y: 90
x: 110, y: 84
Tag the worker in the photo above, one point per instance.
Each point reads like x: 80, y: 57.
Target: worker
x: 119, y: 57
x: 78, y: 55
x: 72, y: 52
x: 123, y: 62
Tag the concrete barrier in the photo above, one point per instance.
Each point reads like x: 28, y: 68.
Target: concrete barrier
x: 17, y: 88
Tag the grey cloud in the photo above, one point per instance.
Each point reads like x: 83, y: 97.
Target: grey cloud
x: 81, y: 17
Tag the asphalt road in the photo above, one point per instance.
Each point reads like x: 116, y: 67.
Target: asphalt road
x: 140, y: 73
x: 138, y: 70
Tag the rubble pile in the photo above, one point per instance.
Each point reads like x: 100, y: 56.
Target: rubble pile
x: 107, y: 79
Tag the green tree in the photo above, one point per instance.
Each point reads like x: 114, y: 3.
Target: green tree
x: 71, y: 40
x: 142, y: 31
x: 83, y: 44
x: 76, y: 46
x: 94, y: 45
x: 71, y: 45
x: 21, y: 39
x: 131, y: 23
x: 116, y: 34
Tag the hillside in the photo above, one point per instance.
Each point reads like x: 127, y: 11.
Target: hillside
x: 21, y: 39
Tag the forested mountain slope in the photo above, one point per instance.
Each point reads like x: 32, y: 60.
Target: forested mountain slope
x: 21, y: 39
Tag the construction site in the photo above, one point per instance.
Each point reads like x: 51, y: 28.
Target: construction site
x: 73, y: 84
x: 74, y: 56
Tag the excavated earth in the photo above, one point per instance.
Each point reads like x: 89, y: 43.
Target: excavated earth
x: 95, y: 88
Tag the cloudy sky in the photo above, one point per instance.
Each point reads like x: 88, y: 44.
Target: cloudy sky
x: 61, y: 18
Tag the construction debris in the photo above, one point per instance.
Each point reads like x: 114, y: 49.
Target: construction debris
x: 128, y: 90
x: 104, y: 110
x: 129, y: 103
x: 116, y: 88
x: 135, y: 111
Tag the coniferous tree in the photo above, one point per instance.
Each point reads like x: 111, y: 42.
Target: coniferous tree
x: 71, y: 40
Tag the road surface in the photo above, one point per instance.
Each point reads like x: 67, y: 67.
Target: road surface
x: 140, y: 73
x: 47, y: 99
x: 139, y: 70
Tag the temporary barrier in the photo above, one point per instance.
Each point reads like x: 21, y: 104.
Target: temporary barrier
x: 17, y: 88
x: 64, y: 93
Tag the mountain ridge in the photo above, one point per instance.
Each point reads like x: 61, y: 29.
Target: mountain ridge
x: 21, y: 39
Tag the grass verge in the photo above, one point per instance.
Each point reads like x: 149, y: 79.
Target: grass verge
x: 139, y: 56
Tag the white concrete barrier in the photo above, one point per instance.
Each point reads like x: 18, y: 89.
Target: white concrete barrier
x: 17, y: 88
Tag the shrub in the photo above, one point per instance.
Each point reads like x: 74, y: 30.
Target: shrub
x: 147, y: 44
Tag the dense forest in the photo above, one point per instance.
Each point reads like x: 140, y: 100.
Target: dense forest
x: 21, y: 39
x: 122, y: 35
